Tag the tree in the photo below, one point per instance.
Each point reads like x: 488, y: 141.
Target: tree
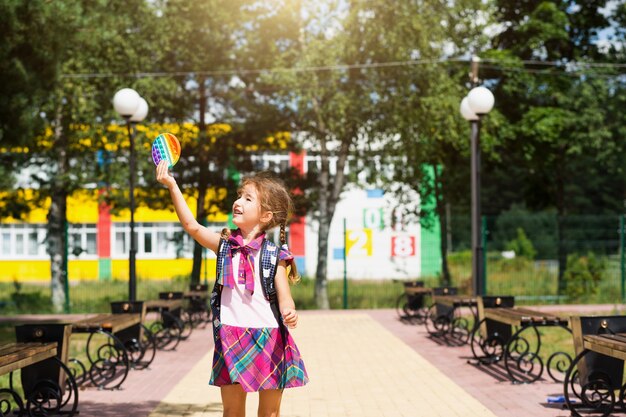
x: 425, y: 138
x: 81, y: 37
x: 553, y: 114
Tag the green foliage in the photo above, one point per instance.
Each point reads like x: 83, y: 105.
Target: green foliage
x: 26, y: 299
x: 522, y: 246
x: 583, y: 275
x: 539, y: 227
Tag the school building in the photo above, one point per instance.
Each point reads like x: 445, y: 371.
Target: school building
x: 366, y: 227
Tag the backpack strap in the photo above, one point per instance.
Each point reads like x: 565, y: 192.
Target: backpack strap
x: 269, y: 265
x: 216, y: 294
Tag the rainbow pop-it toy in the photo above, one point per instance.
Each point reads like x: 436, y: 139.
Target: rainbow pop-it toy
x: 166, y: 146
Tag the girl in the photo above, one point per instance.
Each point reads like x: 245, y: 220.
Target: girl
x: 253, y: 349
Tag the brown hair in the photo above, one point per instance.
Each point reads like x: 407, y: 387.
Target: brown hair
x: 274, y: 197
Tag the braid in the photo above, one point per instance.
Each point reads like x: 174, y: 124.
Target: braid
x: 283, y: 238
x: 225, y: 233
x: 292, y: 270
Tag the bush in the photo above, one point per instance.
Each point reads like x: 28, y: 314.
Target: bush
x: 31, y: 302
x: 522, y: 246
x: 583, y: 275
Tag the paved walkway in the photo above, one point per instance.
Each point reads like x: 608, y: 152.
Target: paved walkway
x: 360, y: 363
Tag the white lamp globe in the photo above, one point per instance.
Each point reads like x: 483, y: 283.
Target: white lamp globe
x: 480, y: 100
x: 466, y: 111
x: 126, y: 102
x: 141, y: 112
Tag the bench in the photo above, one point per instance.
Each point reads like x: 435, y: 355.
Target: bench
x: 109, y: 361
x: 198, y: 311
x: 138, y: 340
x: 168, y: 330
x: 490, y: 336
x: 596, y: 374
x: 411, y: 304
x: 444, y: 317
x: 40, y: 354
x: 508, y: 333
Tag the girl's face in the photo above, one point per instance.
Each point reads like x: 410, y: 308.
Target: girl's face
x: 247, y: 211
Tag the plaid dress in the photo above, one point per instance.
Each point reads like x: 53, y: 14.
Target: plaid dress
x: 256, y: 358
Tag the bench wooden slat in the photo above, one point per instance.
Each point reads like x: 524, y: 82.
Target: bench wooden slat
x: 417, y: 290
x: 606, y: 344
x: 15, y: 356
x: 151, y: 305
x: 455, y: 300
x: 503, y: 315
x: 620, y: 337
x: 538, y: 313
x: 6, y: 347
x: 516, y: 316
x: 196, y: 294
x: 110, y: 322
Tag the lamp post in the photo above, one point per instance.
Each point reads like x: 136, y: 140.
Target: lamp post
x: 474, y: 106
x: 133, y: 109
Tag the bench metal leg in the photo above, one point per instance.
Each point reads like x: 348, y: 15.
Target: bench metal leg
x: 521, y: 357
x: 522, y: 361
x: 109, y: 362
x: 437, y: 325
x: 596, y: 396
x: 7, y: 397
x: 486, y: 350
x: 167, y: 331
x: 47, y: 398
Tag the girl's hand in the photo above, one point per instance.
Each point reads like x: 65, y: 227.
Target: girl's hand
x: 163, y: 175
x: 290, y: 318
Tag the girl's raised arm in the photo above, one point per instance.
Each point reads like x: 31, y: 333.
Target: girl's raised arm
x: 201, y: 234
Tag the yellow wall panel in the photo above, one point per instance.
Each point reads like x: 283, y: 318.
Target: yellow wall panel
x: 145, y: 214
x: 82, y: 207
x: 23, y: 271
x: 80, y: 270
x: 83, y: 270
x: 160, y: 268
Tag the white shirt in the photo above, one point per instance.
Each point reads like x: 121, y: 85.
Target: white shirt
x: 241, y: 308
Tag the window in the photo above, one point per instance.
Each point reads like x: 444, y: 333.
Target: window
x: 120, y: 242
x: 82, y: 240
x: 33, y: 244
x: 6, y: 243
x: 312, y: 165
x: 22, y: 241
x: 147, y: 243
x: 156, y: 240
x: 19, y: 244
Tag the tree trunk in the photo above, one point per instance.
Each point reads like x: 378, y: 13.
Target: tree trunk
x: 321, y: 283
x: 57, y: 216
x: 56, y: 247
x: 328, y: 198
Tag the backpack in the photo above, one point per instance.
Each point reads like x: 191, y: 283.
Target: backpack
x: 268, y: 263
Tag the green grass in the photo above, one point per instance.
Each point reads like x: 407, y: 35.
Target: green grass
x: 95, y: 297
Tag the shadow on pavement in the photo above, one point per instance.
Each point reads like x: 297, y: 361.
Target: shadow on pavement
x: 98, y: 409
x: 144, y: 409
x: 166, y: 409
